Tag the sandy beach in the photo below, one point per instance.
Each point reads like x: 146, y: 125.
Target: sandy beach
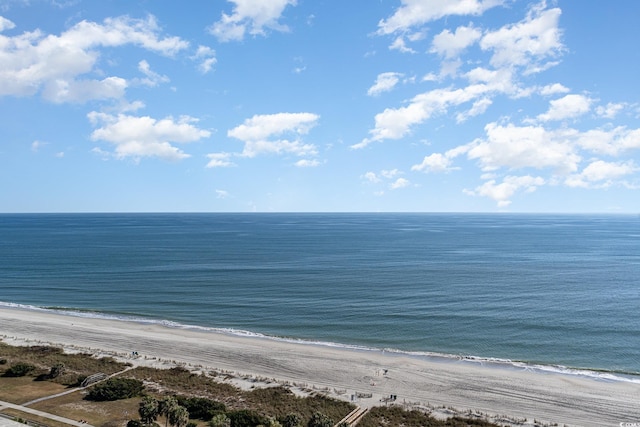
x: 501, y: 391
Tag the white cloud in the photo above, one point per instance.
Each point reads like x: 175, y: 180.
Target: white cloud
x: 399, y: 183
x: 478, y: 107
x: 418, y: 12
x: 34, y: 62
x: 435, y: 162
x: 139, y: 137
x: 371, y: 177
x: 449, y: 45
x: 37, y: 145
x: 502, y: 192
x: 567, y: 107
x: 307, y: 163
x: 610, y: 110
x: 252, y: 16
x: 553, y: 89
x: 260, y: 131
x: 385, y: 82
x: 516, y: 147
x: 390, y: 173
x: 79, y: 91
x: 396, y: 123
x: 207, y: 58
x: 222, y: 194
x: 6, y: 24
x: 152, y: 78
x: 611, y: 142
x: 527, y: 43
x: 389, y: 177
x: 400, y: 45
x: 219, y: 160
x: 601, y: 174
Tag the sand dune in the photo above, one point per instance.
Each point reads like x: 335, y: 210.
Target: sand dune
x: 427, y: 382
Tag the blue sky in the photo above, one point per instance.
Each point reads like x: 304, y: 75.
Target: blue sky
x: 319, y: 105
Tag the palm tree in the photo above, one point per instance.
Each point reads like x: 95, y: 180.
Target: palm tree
x: 220, y: 420
x: 179, y: 416
x: 319, y: 419
x: 148, y: 410
x: 166, y: 406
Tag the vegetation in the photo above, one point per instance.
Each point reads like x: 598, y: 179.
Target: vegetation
x: 319, y: 419
x: 396, y: 416
x: 247, y: 418
x: 177, y: 397
x: 75, y: 367
x: 115, y: 389
x: 19, y: 370
x: 201, y: 408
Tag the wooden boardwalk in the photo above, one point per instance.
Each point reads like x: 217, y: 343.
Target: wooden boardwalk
x: 354, y: 416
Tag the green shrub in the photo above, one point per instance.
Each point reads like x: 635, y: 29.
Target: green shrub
x: 220, y: 420
x: 319, y: 419
x: 19, y: 370
x: 115, y: 389
x: 290, y: 420
x: 201, y: 408
x: 246, y: 418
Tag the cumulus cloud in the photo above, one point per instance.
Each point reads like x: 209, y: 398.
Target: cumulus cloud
x: 435, y: 162
x: 371, y: 177
x: 138, y: 137
x: 6, y: 24
x: 385, y: 82
x: 395, y: 123
x: 449, y: 45
x: 399, y: 183
x: 206, y: 57
x: 219, y: 160
x: 413, y: 13
x: 609, y: 141
x: 250, y: 16
x: 502, y: 192
x: 307, y: 163
x: 400, y: 45
x: 567, y: 107
x: 57, y: 66
x: 528, y: 43
x: 553, y: 89
x: 610, y: 110
x: 151, y: 78
x: 517, y: 147
x: 478, y: 107
x: 601, y: 174
x: 262, y: 134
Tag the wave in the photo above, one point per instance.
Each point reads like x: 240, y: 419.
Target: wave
x: 489, y: 362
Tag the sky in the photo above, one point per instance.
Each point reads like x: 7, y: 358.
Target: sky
x: 319, y: 106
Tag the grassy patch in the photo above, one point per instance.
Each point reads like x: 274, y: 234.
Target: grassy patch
x: 24, y: 389
x: 73, y: 406
x: 396, y: 416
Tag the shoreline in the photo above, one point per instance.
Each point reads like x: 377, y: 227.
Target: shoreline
x: 497, y: 390
x: 499, y: 363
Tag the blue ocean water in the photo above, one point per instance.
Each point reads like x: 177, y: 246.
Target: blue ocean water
x: 541, y: 289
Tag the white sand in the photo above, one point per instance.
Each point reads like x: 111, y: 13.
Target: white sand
x: 496, y: 391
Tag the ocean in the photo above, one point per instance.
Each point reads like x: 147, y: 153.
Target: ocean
x: 552, y: 292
